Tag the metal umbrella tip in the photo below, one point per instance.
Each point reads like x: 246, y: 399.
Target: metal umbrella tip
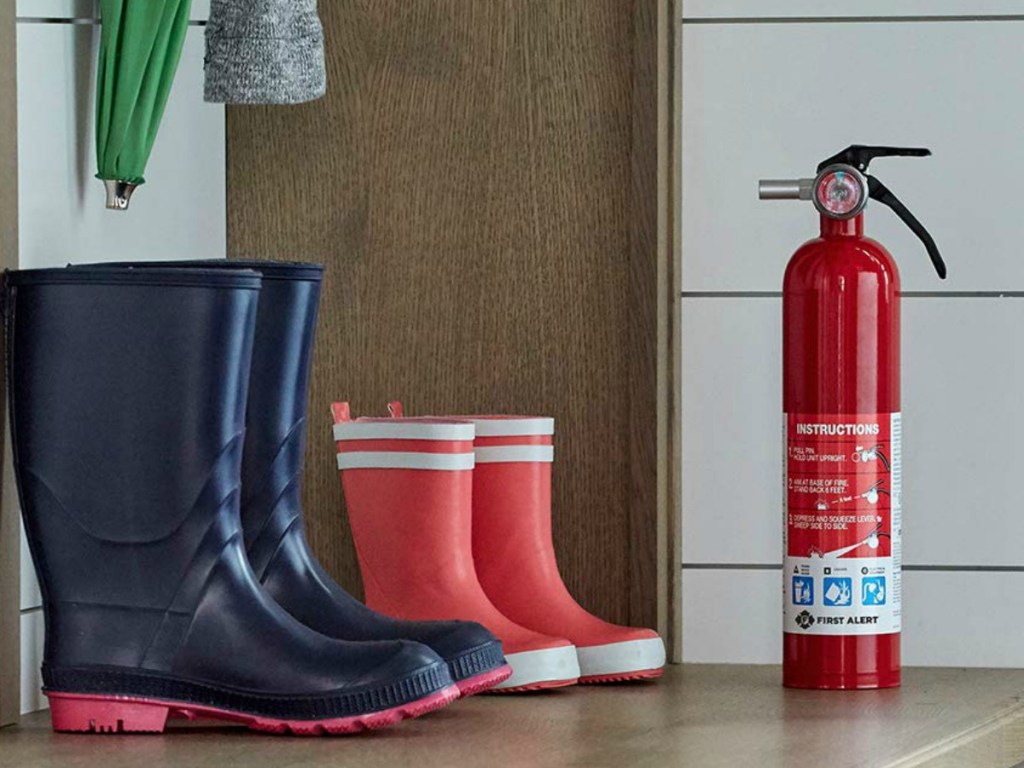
x: 119, y: 193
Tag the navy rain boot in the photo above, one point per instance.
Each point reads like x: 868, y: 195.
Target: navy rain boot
x: 127, y: 407
x: 272, y: 515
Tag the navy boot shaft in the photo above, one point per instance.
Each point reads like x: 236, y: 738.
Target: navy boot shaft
x: 271, y: 507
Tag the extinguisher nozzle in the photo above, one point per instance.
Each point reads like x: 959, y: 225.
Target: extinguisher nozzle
x: 784, y: 189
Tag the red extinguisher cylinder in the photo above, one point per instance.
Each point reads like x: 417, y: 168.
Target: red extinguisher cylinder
x: 841, y: 398
x: 842, y: 590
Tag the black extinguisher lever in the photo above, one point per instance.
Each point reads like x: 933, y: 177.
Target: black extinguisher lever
x: 878, y: 191
x: 861, y: 155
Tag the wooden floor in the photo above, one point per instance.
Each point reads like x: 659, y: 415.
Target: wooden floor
x: 696, y: 716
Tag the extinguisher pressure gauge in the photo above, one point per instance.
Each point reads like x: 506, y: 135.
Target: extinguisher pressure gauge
x: 843, y: 187
x: 840, y: 191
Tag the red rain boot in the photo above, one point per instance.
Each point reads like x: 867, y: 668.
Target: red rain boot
x: 515, y: 556
x: 408, y: 486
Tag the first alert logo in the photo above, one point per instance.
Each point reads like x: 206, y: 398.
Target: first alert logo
x: 805, y: 620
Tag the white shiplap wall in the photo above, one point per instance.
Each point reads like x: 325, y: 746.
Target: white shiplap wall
x: 769, y: 89
x: 179, y: 213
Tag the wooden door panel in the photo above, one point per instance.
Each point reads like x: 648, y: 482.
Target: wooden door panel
x: 472, y: 180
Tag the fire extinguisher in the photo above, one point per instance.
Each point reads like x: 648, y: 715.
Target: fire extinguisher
x: 841, y: 394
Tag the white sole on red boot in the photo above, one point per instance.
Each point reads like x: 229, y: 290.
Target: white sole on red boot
x: 629, y: 660
x: 537, y: 670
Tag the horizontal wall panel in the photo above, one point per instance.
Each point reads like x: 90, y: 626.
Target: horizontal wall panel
x: 178, y: 213
x: 950, y: 619
x: 962, y: 420
x: 58, y: 9
x: 732, y: 617
x: 731, y: 436
x: 30, y: 595
x: 762, y: 100
x: 781, y: 9
x: 32, y: 698
x: 79, y: 9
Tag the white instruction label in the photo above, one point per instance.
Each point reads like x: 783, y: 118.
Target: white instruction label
x: 843, y: 525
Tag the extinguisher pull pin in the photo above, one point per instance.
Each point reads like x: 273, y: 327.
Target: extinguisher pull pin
x: 785, y: 189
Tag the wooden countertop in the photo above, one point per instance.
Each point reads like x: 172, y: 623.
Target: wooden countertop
x: 696, y: 716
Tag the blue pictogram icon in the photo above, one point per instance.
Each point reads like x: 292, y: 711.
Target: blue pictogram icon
x: 873, y: 590
x: 803, y: 590
x: 838, y: 591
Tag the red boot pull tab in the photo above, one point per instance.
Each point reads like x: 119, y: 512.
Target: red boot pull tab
x: 341, y: 412
x: 395, y: 409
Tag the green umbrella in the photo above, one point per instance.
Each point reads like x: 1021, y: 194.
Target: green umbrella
x: 140, y: 45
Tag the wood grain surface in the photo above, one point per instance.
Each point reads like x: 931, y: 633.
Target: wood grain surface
x: 644, y: 306
x: 697, y: 716
x: 10, y: 621
x: 479, y: 181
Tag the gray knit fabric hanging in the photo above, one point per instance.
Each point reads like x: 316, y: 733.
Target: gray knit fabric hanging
x: 264, y: 52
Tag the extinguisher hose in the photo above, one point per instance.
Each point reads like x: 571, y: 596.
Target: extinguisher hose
x: 878, y: 191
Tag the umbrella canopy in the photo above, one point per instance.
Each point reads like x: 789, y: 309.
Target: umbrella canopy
x: 140, y: 45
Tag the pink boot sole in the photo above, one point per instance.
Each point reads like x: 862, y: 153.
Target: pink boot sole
x: 622, y: 677
x: 91, y: 713
x: 546, y: 685
x: 482, y: 682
